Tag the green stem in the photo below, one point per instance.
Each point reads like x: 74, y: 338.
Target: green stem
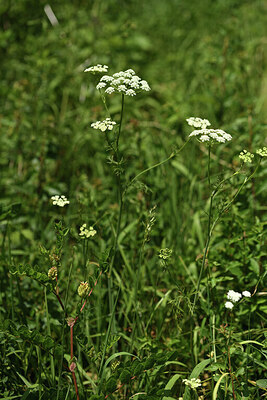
x: 211, y: 227
x: 52, y: 365
x: 172, y: 155
x: 119, y: 133
x: 209, y: 165
x: 118, y: 228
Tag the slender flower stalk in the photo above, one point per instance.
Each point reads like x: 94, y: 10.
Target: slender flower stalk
x: 211, y: 225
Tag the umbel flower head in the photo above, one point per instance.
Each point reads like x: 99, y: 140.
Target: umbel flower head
x: 86, y: 233
x: 124, y: 82
x: 83, y: 289
x: 107, y: 124
x: 60, y: 201
x: 234, y: 296
x: 193, y: 383
x: 207, y: 135
x: 97, y: 69
x: 229, y: 305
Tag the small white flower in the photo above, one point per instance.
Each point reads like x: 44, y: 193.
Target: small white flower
x: 193, y: 383
x: 130, y: 71
x: 101, y: 85
x: 207, y: 135
x: 60, y: 201
x: 246, y: 293
x: 107, y: 124
x: 134, y: 84
x: 198, y: 122
x: 220, y: 139
x: 233, y: 296
x: 106, y: 78
x: 130, y: 92
x: 122, y: 88
x: 229, y: 305
x: 126, y: 82
x: 110, y: 90
x: 204, y: 138
x: 97, y: 68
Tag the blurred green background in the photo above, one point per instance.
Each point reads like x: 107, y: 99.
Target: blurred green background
x: 201, y: 58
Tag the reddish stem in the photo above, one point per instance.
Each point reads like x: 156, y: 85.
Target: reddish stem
x: 60, y: 301
x: 73, y: 366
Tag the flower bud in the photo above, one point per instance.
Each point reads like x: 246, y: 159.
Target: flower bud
x: 52, y: 273
x: 83, y: 289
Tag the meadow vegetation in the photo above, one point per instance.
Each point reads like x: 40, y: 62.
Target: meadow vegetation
x: 132, y: 210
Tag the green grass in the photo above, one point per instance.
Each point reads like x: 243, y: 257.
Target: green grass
x: 149, y: 323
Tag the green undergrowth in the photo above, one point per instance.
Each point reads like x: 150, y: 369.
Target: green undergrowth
x: 178, y: 223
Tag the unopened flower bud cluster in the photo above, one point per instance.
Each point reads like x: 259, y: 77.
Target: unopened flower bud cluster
x: 165, y: 253
x: 60, y: 201
x: 107, y: 124
x: 207, y: 135
x: 52, y: 273
x: 124, y: 82
x: 83, y: 289
x: 85, y: 233
x: 262, y: 152
x: 234, y: 297
x: 246, y: 156
x: 97, y: 69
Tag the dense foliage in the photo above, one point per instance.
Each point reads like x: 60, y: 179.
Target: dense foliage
x: 160, y: 270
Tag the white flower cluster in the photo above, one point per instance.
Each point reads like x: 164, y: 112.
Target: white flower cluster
x: 125, y: 82
x: 60, y: 201
x: 192, y: 383
x: 86, y: 233
x: 262, y: 152
x: 246, y: 156
x: 97, y: 69
x: 207, y: 135
x: 234, y: 297
x: 198, y: 122
x: 107, y: 124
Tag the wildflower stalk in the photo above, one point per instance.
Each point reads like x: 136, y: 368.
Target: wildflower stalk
x: 211, y: 226
x: 209, y: 164
x: 172, y: 155
x: 118, y: 137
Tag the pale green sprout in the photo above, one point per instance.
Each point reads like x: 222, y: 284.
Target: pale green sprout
x: 246, y: 156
